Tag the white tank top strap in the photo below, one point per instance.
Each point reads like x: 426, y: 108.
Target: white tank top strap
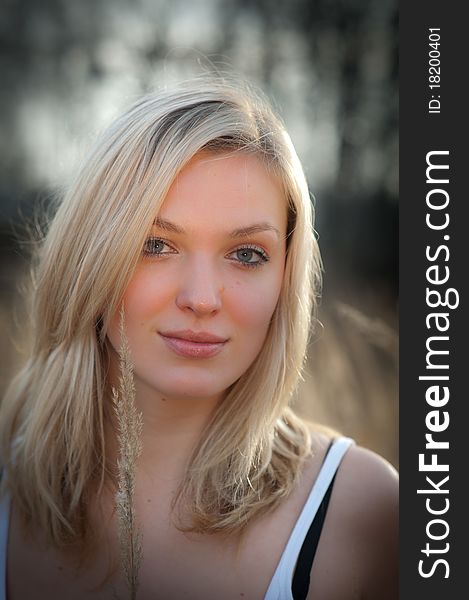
x: 280, y: 585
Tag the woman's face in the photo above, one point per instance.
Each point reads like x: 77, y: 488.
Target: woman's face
x: 198, y: 306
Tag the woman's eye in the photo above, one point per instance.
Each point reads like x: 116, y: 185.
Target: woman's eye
x: 155, y: 247
x: 250, y: 256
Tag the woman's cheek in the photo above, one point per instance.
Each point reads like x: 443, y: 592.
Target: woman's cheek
x: 147, y: 293
x: 253, y: 306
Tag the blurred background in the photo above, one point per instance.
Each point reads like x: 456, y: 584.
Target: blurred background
x: 329, y: 67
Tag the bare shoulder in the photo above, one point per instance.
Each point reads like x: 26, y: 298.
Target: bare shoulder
x: 361, y: 470
x: 368, y: 488
x: 371, y: 477
x: 364, y: 518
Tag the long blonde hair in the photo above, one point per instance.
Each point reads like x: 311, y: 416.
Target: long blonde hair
x: 53, y: 416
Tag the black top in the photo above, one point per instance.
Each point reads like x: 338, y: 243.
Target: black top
x: 300, y: 583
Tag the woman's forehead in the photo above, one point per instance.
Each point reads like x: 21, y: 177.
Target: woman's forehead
x: 235, y: 187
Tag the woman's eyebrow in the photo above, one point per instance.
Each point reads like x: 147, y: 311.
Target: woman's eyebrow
x: 255, y: 228
x: 167, y: 225
x: 239, y: 232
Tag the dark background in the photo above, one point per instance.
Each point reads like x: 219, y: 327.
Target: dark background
x: 421, y: 133
x: 330, y: 68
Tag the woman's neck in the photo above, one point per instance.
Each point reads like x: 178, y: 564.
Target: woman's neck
x: 172, y: 426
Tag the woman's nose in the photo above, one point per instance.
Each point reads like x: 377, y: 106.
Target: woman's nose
x: 201, y: 289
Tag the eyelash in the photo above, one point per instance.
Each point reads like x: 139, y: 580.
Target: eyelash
x: 149, y: 251
x: 263, y: 258
x: 151, y: 242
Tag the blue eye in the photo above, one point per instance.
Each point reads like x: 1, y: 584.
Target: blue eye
x: 246, y: 255
x: 154, y: 247
x: 250, y: 256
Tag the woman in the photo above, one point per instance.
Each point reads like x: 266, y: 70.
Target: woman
x: 185, y: 246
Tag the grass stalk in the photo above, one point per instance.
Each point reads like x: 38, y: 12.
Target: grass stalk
x: 129, y: 438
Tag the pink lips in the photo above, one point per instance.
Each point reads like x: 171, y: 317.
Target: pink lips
x: 192, y: 344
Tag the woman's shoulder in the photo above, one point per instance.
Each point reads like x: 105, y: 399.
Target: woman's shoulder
x: 367, y: 493
x: 361, y: 529
x: 359, y: 464
x: 366, y: 485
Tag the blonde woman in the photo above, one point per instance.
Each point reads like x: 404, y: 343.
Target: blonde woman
x: 186, y: 242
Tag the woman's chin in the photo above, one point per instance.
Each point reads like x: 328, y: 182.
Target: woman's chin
x: 191, y: 390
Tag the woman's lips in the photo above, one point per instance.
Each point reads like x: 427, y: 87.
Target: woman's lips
x: 192, y: 349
